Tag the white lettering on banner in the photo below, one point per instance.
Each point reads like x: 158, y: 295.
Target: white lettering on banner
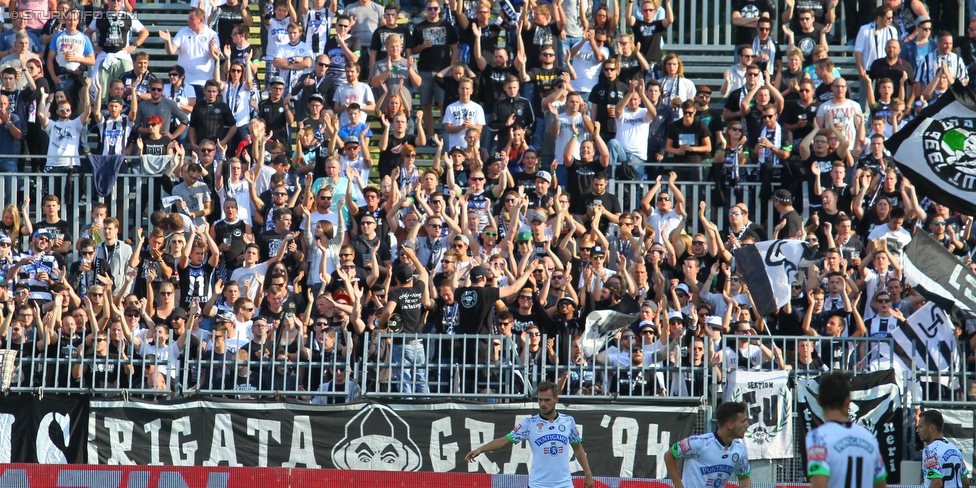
x: 184, y: 455
x: 120, y: 440
x: 626, y: 432
x: 443, y: 458
x: 970, y: 282
x: 769, y: 405
x: 264, y: 427
x: 521, y: 452
x: 47, y: 452
x: 6, y: 431
x: 658, y: 447
x: 222, y: 446
x: 302, y: 448
x: 153, y: 428
x: 482, y: 433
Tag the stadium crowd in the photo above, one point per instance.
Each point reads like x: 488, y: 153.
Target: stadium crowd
x: 279, y: 244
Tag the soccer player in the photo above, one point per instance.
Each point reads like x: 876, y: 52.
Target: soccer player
x: 841, y: 454
x: 550, y: 434
x: 943, y: 463
x: 711, y: 459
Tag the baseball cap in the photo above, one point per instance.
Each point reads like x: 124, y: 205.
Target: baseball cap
x: 922, y: 19
x: 682, y: 287
x: 598, y: 250
x: 478, y: 272
x: 352, y: 140
x: 544, y: 175
x: 5, y: 238
x: 276, y: 80
x: 462, y: 238
x: 675, y: 317
x: 317, y: 96
x: 704, y: 89
x: 225, y: 317
x: 538, y: 216
x: 290, y: 306
x: 456, y: 149
x: 177, y: 313
x: 567, y: 298
x: 43, y: 233
x: 115, y: 100
x: 409, y: 245
x: 403, y: 273
x: 524, y: 236
x: 343, y: 298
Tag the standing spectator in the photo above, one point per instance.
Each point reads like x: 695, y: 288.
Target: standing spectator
x: 164, y: 108
x: 228, y: 17
x: 587, y: 57
x: 395, y: 73
x: 365, y: 16
x: 137, y: 79
x: 383, y: 33
x: 649, y: 29
x: 689, y: 140
x: 276, y: 112
x: 65, y: 132
x: 871, y: 41
x: 36, y: 11
x: 343, y: 50
x: 479, y: 36
x: 212, y: 119
x: 773, y: 147
x: 113, y: 50
x: 294, y: 58
x: 735, y: 77
x: 195, y: 194
x: 541, y: 31
x: 197, y: 46
x: 353, y: 93
x: 281, y: 15
x: 115, y: 252
x: 18, y: 22
x: 71, y: 54
x: 896, y: 69
x: 745, y: 18
x: 634, y: 123
x: 915, y: 49
x: 436, y: 40
x: 806, y: 36
x: 608, y: 92
x: 463, y: 115
x: 943, y: 58
x: 845, y: 114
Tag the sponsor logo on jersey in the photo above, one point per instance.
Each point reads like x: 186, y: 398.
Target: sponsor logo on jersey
x: 931, y: 462
x: 950, y: 453
x: 684, y: 446
x: 720, y: 468
x: 853, y: 442
x: 817, y: 453
x: 553, y: 438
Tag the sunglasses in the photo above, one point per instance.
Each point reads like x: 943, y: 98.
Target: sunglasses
x: 207, y: 149
x: 491, y: 234
x: 155, y: 90
x: 533, y: 334
x: 174, y: 74
x: 367, y: 222
x: 480, y: 178
x: 884, y: 300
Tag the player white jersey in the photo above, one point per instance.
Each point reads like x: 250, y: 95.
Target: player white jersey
x: 551, y: 443
x: 847, y: 453
x: 708, y: 463
x: 942, y: 460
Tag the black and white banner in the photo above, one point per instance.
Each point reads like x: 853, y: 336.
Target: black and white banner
x: 47, y: 431
x: 875, y: 403
x: 620, y: 440
x: 770, y: 406
x: 769, y: 267
x: 939, y: 276
x: 937, y: 150
x: 928, y: 343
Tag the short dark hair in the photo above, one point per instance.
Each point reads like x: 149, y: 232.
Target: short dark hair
x: 727, y: 412
x: 932, y: 417
x: 835, y: 390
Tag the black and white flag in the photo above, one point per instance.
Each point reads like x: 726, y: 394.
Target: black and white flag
x: 937, y: 150
x: 769, y: 267
x: 600, y: 326
x: 939, y: 276
x: 927, y: 342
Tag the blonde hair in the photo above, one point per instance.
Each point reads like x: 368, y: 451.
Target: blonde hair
x: 15, y: 228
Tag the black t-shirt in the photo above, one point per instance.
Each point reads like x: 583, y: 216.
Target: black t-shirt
x: 535, y: 38
x: 489, y: 39
x: 648, y: 35
x: 195, y: 283
x: 390, y: 158
x: 712, y: 118
x: 751, y: 9
x: 227, y: 18
x: 364, y: 248
x: 273, y: 114
x: 378, y: 42
x: 476, y: 306
x: 408, y: 305
x: 437, y: 56
x: 630, y: 68
x: 881, y: 69
x: 579, y: 182
x: 734, y: 101
x: 270, y: 243
x: 157, y: 147
x: 493, y: 82
x: 826, y: 164
x: 604, y: 99
x: 692, y: 135
x: 791, y: 115
x: 544, y: 79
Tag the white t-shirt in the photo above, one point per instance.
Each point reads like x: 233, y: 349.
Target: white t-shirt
x: 238, y: 98
x: 77, y: 42
x: 587, y: 67
x: 566, y: 124
x: 663, y: 224
x: 837, y: 450
x: 277, y: 36
x: 65, y: 138
x: 633, y: 129
x: 297, y: 51
x: 348, y: 94
x: 708, y: 462
x: 255, y: 273
x: 843, y: 114
x: 551, y: 444
x: 194, y: 54
x: 456, y: 113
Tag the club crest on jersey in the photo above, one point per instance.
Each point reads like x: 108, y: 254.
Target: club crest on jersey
x: 715, y: 482
x: 817, y: 453
x: 684, y: 446
x: 554, y: 449
x: 949, y: 145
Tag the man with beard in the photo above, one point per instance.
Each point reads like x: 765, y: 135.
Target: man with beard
x: 701, y: 451
x: 162, y: 107
x: 210, y: 118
